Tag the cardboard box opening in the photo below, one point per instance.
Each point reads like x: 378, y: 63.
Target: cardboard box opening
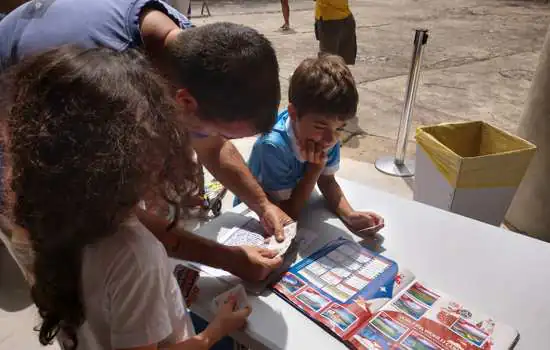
x: 476, y: 139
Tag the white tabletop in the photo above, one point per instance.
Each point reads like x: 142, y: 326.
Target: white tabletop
x: 503, y: 274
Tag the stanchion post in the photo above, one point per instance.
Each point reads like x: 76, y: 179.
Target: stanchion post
x: 398, y: 165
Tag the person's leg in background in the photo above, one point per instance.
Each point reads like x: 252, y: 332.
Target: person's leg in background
x: 183, y: 6
x: 348, y: 41
x: 328, y: 34
x: 286, y: 14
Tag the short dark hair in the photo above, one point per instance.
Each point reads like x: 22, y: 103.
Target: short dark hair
x: 231, y: 70
x: 325, y: 86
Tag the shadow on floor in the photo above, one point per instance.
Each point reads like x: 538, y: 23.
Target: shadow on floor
x: 14, y: 291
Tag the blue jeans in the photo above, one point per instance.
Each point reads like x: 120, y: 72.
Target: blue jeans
x: 200, y: 325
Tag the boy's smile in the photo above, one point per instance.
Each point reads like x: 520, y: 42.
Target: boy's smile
x: 321, y: 129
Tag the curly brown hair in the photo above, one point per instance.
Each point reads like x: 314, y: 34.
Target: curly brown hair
x: 86, y: 133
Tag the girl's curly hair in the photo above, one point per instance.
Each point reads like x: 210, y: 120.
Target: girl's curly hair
x: 86, y: 133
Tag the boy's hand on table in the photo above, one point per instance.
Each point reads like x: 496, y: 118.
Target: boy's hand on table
x: 363, y: 223
x: 253, y: 263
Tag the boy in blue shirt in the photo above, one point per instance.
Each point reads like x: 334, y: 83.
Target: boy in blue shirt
x: 303, y: 147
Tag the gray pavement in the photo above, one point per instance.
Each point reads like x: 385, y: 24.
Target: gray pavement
x: 478, y: 64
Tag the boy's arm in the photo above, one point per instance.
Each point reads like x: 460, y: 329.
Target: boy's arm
x: 334, y: 195
x: 294, y: 205
x: 276, y: 163
x: 329, y: 187
x: 363, y: 224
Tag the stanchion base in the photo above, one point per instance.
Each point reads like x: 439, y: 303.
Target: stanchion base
x: 387, y: 166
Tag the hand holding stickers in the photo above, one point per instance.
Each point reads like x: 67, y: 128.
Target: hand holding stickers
x: 232, y: 309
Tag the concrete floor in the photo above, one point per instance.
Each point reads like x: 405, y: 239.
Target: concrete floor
x: 480, y: 59
x: 17, y: 315
x: 478, y: 64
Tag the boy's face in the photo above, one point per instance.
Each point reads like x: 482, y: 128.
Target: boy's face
x: 322, y: 129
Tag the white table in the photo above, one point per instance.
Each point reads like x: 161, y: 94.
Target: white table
x: 508, y: 275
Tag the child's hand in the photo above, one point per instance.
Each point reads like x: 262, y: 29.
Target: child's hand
x: 313, y: 153
x: 228, y: 319
x: 364, y: 223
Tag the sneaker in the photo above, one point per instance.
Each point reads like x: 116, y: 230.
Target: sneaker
x: 285, y: 27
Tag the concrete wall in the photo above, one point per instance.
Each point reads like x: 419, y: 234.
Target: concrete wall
x: 530, y: 209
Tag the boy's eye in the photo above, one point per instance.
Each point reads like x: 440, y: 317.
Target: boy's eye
x: 340, y: 129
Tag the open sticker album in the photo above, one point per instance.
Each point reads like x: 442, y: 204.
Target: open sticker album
x: 367, y: 302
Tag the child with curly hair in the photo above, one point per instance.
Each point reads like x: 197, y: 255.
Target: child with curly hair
x: 86, y: 135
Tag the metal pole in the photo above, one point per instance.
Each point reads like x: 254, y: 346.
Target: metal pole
x: 398, y: 166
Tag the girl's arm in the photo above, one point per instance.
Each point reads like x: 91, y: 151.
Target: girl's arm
x: 197, y: 342
x: 226, y: 321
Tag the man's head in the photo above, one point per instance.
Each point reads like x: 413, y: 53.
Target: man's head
x: 322, y: 98
x: 227, y: 77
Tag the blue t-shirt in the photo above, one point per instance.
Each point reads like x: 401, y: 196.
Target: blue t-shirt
x: 276, y: 163
x: 40, y: 25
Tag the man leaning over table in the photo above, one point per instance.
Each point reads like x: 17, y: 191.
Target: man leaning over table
x: 225, y: 78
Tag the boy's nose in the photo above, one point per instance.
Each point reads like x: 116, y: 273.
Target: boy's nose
x: 329, y: 138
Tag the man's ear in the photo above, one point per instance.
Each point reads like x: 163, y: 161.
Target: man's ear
x: 187, y: 102
x: 292, y: 112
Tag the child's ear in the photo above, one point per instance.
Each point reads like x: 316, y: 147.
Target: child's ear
x: 292, y: 112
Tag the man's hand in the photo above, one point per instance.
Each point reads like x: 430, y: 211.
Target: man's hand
x: 253, y: 263
x: 363, y: 224
x: 273, y: 219
x: 227, y: 165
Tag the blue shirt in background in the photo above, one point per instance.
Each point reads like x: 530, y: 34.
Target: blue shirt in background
x: 275, y: 160
x: 41, y: 25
